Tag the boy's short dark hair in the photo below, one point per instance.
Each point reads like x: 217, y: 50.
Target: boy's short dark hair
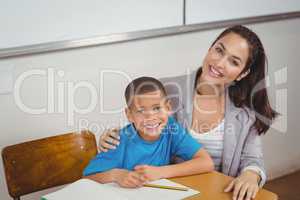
x: 143, y: 85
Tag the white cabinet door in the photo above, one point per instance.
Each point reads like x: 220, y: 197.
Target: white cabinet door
x: 35, y: 21
x: 200, y: 11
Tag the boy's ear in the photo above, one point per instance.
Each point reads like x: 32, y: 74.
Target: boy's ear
x: 168, y: 106
x: 128, y: 114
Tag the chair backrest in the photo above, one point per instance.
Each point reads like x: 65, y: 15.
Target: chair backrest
x: 48, y: 162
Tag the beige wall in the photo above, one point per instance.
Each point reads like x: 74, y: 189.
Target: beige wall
x: 166, y: 56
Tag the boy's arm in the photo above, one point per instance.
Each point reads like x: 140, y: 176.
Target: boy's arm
x: 104, y: 177
x: 200, y: 163
x: 106, y: 161
x: 123, y: 177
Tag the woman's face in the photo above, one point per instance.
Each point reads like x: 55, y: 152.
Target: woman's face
x: 225, y: 60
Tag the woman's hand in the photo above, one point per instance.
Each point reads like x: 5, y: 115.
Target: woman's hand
x: 244, y: 186
x: 109, y: 140
x: 148, y: 173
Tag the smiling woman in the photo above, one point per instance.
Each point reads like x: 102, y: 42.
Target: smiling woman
x: 226, y: 59
x: 220, y: 101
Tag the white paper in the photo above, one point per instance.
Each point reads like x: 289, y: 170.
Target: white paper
x: 85, y: 189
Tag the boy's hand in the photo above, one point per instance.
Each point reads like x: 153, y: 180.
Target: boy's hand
x: 148, y: 173
x: 128, y: 179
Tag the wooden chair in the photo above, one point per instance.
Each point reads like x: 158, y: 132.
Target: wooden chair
x: 40, y: 164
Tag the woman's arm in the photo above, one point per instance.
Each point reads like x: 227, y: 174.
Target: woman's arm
x: 252, y: 156
x: 252, y: 172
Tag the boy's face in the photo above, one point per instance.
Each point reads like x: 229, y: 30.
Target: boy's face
x: 149, y: 113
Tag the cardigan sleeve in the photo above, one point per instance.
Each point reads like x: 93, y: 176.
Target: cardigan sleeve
x: 252, y: 155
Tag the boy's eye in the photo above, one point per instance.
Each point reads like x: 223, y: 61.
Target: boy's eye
x: 140, y: 110
x: 219, y: 50
x: 157, y: 108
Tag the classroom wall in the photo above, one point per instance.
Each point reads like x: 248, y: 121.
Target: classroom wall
x: 160, y: 57
x: 55, y: 20
x: 199, y: 11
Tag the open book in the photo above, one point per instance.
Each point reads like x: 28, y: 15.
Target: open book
x: 85, y: 189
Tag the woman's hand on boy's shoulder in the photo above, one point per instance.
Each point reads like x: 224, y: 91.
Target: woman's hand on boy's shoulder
x: 110, y: 139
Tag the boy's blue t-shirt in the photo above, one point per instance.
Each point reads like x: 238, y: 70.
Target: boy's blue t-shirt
x: 134, y: 150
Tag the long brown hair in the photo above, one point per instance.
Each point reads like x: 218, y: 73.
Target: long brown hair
x: 251, y: 90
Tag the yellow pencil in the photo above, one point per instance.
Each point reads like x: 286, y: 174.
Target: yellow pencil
x: 166, y: 187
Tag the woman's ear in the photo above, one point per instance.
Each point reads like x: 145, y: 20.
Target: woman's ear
x: 243, y: 75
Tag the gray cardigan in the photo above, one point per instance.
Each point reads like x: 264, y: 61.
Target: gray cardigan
x: 242, y: 144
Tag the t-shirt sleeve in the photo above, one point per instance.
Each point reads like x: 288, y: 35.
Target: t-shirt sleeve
x: 106, y: 161
x: 183, y: 144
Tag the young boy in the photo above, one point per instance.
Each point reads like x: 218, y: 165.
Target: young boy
x: 149, y: 142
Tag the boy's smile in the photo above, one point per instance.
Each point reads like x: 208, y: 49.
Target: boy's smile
x: 149, y: 113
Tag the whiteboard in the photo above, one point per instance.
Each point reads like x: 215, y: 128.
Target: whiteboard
x: 40, y: 21
x: 201, y: 11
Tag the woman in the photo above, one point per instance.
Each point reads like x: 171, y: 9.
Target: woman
x: 225, y: 105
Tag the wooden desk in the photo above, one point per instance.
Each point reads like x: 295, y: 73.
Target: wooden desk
x: 211, y: 186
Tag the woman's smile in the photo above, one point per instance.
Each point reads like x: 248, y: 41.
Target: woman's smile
x: 214, y: 72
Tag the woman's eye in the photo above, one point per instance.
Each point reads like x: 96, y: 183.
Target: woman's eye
x: 235, y: 63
